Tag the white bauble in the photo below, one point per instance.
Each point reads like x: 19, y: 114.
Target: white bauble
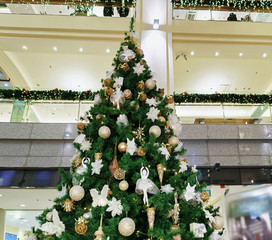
x: 156, y: 130
x: 218, y: 223
x: 173, y: 140
x: 150, y: 83
x: 104, y: 132
x: 49, y: 216
x: 76, y: 193
x: 123, y: 185
x: 126, y: 227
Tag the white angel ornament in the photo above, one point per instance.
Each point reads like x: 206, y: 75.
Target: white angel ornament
x: 54, y: 228
x: 83, y: 168
x: 145, y: 185
x: 100, y: 200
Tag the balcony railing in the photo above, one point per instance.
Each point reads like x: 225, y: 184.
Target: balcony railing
x: 53, y: 111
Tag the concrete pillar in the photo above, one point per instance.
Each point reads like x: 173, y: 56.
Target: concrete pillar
x: 157, y: 44
x: 2, y: 223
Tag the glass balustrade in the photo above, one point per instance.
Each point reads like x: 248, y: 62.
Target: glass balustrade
x: 188, y: 113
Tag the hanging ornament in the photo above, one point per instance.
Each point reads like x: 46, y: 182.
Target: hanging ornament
x: 153, y: 114
x: 122, y: 119
x: 97, y: 99
x: 161, y: 90
x: 218, y: 223
x: 174, y: 228
x: 119, y: 174
x: 156, y: 130
x: 96, y: 166
x: 83, y: 168
x: 122, y: 147
x: 80, y: 138
x: 175, y: 125
x: 167, y: 189
x: 198, y: 229
x: 80, y: 126
x: 131, y: 146
x: 77, y: 161
x: 127, y: 94
x: 145, y: 185
x: 104, y: 132
x: 139, y: 51
x: 139, y: 134
x: 160, y: 170
x: 109, y: 193
x: 174, y: 213
x: 189, y: 193
x: 170, y: 99
x: 125, y: 67
x: 56, y: 227
x: 132, y: 104
x: 68, y: 205
x: 99, y: 233
x: 117, y: 98
x: 49, y: 216
x: 162, y: 119
x: 126, y: 55
x: 63, y: 191
x: 141, y: 85
x: 173, y: 140
x: 108, y: 91
x: 141, y: 152
x: 80, y: 226
x: 123, y: 185
x: 115, y: 207
x: 126, y: 227
x: 100, y: 200
x: 151, y: 102
x: 85, y: 145
x: 151, y: 217
x: 76, y: 193
x: 88, y: 214
x: 118, y: 82
x: 169, y: 148
x: 142, y: 96
x: 107, y: 82
x: 150, y: 83
x: 143, y: 62
x: 138, y: 69
x: 113, y: 165
x: 205, y: 197
x: 97, y: 156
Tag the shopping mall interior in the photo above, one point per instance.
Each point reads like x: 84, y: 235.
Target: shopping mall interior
x: 217, y: 68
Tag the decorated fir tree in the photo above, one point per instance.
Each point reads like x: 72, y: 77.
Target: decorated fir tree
x: 129, y: 179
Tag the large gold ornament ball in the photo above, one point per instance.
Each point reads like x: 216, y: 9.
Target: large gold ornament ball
x: 81, y: 228
x: 123, y: 185
x: 173, y: 140
x: 127, y: 94
x: 104, y: 132
x: 162, y: 119
x: 126, y: 227
x: 170, y: 99
x: 108, y: 91
x: 80, y: 126
x: 122, y: 147
x: 77, y: 193
x: 156, y: 130
x: 150, y: 83
x: 218, y: 223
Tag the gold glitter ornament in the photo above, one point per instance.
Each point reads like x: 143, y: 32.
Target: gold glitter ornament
x: 170, y: 99
x: 141, y: 152
x: 119, y: 174
x: 113, y: 165
x: 122, y: 147
x: 151, y: 217
x: 80, y: 126
x: 77, y: 161
x: 123, y: 185
x: 125, y: 67
x: 68, y: 205
x: 108, y: 91
x: 107, y: 82
x: 139, y: 51
x: 205, y: 197
x: 99, y: 233
x: 143, y: 62
x: 97, y: 156
x: 141, y: 85
x: 126, y: 227
x: 127, y: 94
x: 80, y: 226
x: 161, y: 119
x: 142, y: 96
x: 160, y: 170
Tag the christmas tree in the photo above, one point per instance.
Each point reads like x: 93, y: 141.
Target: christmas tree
x: 129, y: 178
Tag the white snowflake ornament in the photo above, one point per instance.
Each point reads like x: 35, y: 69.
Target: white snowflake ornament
x: 153, y: 114
x: 190, y: 192
x: 164, y: 152
x: 122, y: 119
x: 85, y: 145
x: 152, y: 102
x: 131, y: 146
x: 96, y: 166
x: 183, y: 166
x: 138, y: 69
x: 118, y: 82
x: 208, y: 215
x: 115, y: 207
x: 194, y: 169
x: 167, y: 188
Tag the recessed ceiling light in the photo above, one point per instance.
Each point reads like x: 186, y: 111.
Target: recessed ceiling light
x: 80, y: 49
x: 24, y: 47
x: 265, y: 55
x: 22, y: 205
x: 67, y: 135
x: 1, y: 195
x: 216, y: 54
x: 107, y: 50
x: 55, y: 49
x: 192, y: 53
x: 5, y: 84
x: 241, y: 54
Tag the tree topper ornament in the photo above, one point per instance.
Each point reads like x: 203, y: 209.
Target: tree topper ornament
x: 145, y: 185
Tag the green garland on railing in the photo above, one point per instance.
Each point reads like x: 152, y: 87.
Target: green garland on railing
x: 235, y: 4
x: 64, y: 95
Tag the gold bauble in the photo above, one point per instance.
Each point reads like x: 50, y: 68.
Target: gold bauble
x: 139, y: 51
x: 68, y: 205
x: 122, y: 147
x: 170, y: 99
x: 126, y: 227
x: 143, y: 62
x: 204, y: 196
x: 107, y: 82
x: 156, y: 130
x: 162, y: 119
x: 127, y: 94
x: 161, y: 91
x: 169, y: 148
x: 142, y: 96
x: 137, y: 106
x: 77, y: 161
x: 104, y: 132
x: 150, y: 83
x: 81, y: 228
x: 173, y: 140
x: 141, y: 152
x: 108, y: 91
x: 98, y: 116
x: 218, y: 223
x: 77, y: 193
x: 125, y: 67
x: 123, y: 185
x: 141, y: 85
x: 119, y: 174
x: 80, y: 126
x: 97, y: 156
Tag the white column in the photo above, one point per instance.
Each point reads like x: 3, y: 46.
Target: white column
x: 157, y: 44
x: 2, y: 223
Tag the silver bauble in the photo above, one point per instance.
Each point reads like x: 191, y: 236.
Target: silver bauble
x: 156, y: 130
x: 104, y: 132
x: 150, y: 83
x: 126, y: 227
x: 76, y: 193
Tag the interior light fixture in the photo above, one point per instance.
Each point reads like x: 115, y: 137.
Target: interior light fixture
x: 264, y: 55
x: 241, y: 54
x: 6, y: 85
x: 22, y: 205
x: 216, y: 54
x: 1, y: 195
x: 24, y: 47
x: 80, y: 49
x: 107, y: 50
x: 156, y: 24
x: 55, y: 49
x: 192, y: 53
